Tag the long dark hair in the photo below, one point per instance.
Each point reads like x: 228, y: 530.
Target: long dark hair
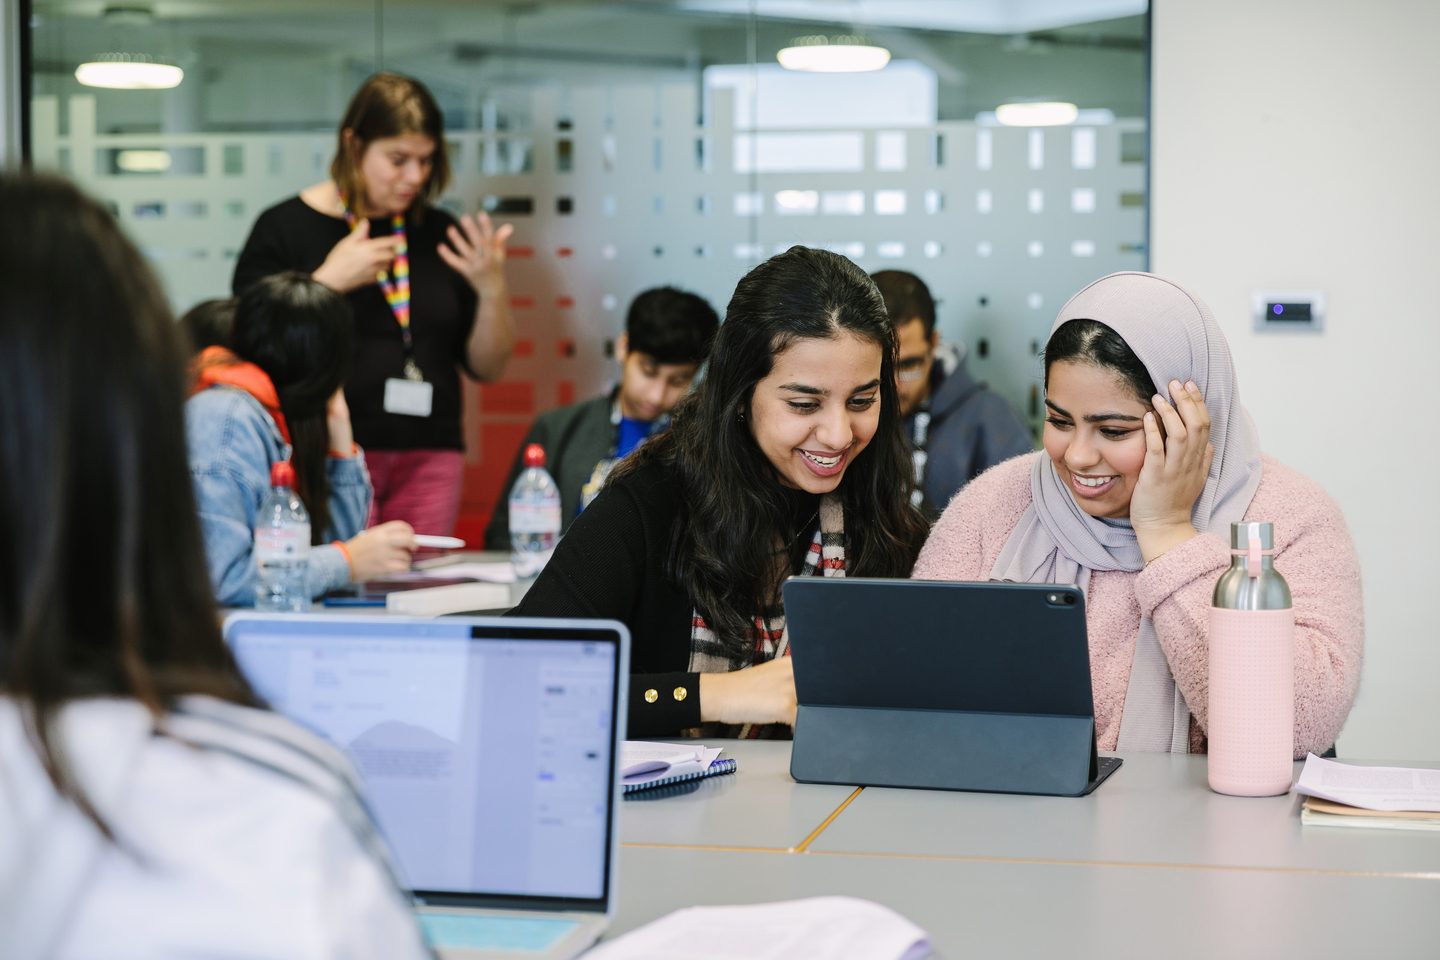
x: 1092, y: 342
x: 302, y: 334
x: 735, y: 509
x: 103, y: 589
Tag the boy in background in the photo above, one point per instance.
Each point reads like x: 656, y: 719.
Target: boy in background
x: 957, y: 427
x: 667, y: 337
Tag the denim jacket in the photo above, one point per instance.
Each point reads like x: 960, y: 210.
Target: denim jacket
x: 232, y: 444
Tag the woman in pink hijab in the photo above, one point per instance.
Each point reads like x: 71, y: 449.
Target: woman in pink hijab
x: 1148, y: 458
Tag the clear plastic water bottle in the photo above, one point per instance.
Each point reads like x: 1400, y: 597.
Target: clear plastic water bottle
x: 282, y: 545
x: 1252, y: 670
x: 534, y: 515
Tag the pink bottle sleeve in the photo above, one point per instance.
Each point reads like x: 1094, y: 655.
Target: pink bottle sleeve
x: 1252, y: 701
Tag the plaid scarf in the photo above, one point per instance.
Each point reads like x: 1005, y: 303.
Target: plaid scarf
x: 768, y: 636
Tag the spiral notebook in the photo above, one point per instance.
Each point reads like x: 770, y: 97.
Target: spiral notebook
x: 646, y: 766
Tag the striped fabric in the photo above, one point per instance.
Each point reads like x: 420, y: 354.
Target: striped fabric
x: 769, y: 638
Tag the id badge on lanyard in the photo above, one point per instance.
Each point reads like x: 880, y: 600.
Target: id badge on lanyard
x: 410, y: 395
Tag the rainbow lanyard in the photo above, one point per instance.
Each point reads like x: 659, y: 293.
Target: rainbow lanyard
x: 395, y: 284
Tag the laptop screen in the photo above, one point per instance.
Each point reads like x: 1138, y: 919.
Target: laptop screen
x: 486, y: 749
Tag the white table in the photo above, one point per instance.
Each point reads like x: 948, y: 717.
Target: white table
x: 1151, y: 864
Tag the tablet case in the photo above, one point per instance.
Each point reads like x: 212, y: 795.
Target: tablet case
x: 944, y: 685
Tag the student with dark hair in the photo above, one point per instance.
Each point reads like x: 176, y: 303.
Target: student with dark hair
x: 787, y: 459
x: 276, y: 395
x: 958, y: 428
x: 208, y: 323
x: 152, y: 807
x: 1149, y: 457
x: 667, y: 337
x: 371, y: 232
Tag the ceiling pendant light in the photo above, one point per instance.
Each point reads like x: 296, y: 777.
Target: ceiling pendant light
x: 1048, y: 113
x: 842, y: 54
x: 128, y: 71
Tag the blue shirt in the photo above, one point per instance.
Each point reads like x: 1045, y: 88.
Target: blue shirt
x: 630, y: 435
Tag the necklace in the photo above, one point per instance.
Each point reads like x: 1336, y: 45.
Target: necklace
x: 803, y: 527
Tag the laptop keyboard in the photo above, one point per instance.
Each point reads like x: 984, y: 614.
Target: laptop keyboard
x: 486, y: 932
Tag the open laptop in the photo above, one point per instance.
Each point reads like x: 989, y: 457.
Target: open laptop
x: 946, y: 685
x: 488, y: 751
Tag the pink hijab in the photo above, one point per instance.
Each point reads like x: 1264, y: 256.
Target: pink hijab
x: 1176, y: 337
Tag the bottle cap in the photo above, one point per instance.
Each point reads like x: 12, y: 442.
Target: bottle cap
x: 282, y: 474
x: 1241, y: 534
x: 534, y: 455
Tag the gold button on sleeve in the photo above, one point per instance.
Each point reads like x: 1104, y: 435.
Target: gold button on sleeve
x: 681, y: 693
x: 652, y: 695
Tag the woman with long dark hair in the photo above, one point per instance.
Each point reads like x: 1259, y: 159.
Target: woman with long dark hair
x: 788, y: 459
x: 275, y: 394
x: 427, y: 289
x: 151, y: 806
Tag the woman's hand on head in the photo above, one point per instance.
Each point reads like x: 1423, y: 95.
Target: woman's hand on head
x: 355, y: 261
x: 337, y: 420
x: 381, y: 550
x: 764, y: 693
x: 1177, y: 463
x: 476, y: 251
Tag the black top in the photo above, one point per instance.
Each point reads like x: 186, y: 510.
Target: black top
x: 612, y: 564
x: 294, y: 236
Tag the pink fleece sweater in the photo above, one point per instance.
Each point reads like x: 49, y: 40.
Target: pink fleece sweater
x: 1313, y: 551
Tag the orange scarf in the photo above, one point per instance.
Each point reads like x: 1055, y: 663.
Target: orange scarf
x: 218, y: 366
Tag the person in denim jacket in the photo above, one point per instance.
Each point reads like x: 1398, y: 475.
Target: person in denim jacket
x: 276, y: 395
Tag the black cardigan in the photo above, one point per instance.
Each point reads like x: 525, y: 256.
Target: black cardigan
x: 611, y: 564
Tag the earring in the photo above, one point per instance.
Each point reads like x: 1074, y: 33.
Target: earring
x: 740, y: 417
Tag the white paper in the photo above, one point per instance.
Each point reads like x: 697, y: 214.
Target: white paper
x: 642, y: 761
x: 452, y: 598
x: 818, y: 928
x: 494, y: 571
x: 1370, y: 788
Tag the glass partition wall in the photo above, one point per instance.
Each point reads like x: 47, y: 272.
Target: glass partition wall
x: 634, y: 144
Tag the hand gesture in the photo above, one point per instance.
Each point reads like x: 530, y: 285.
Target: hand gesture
x: 354, y: 261
x: 476, y: 250
x: 337, y: 419
x: 764, y: 693
x: 382, y: 549
x: 1173, y: 474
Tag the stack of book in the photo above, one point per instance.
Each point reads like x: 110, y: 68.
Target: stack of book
x: 1387, y: 798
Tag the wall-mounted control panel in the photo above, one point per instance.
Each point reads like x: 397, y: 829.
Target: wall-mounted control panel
x: 1282, y: 310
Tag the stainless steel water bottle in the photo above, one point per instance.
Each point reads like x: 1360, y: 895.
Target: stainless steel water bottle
x: 1252, y: 670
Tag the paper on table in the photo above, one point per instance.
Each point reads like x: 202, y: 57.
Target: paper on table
x: 1373, y: 788
x: 1327, y: 813
x: 640, y: 756
x: 641, y: 761
x: 494, y: 571
x: 820, y: 928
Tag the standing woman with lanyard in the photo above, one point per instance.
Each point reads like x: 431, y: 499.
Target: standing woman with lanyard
x: 428, y: 292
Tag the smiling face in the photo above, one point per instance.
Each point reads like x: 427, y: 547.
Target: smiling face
x: 1095, y: 434
x: 817, y: 409
x: 395, y: 171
